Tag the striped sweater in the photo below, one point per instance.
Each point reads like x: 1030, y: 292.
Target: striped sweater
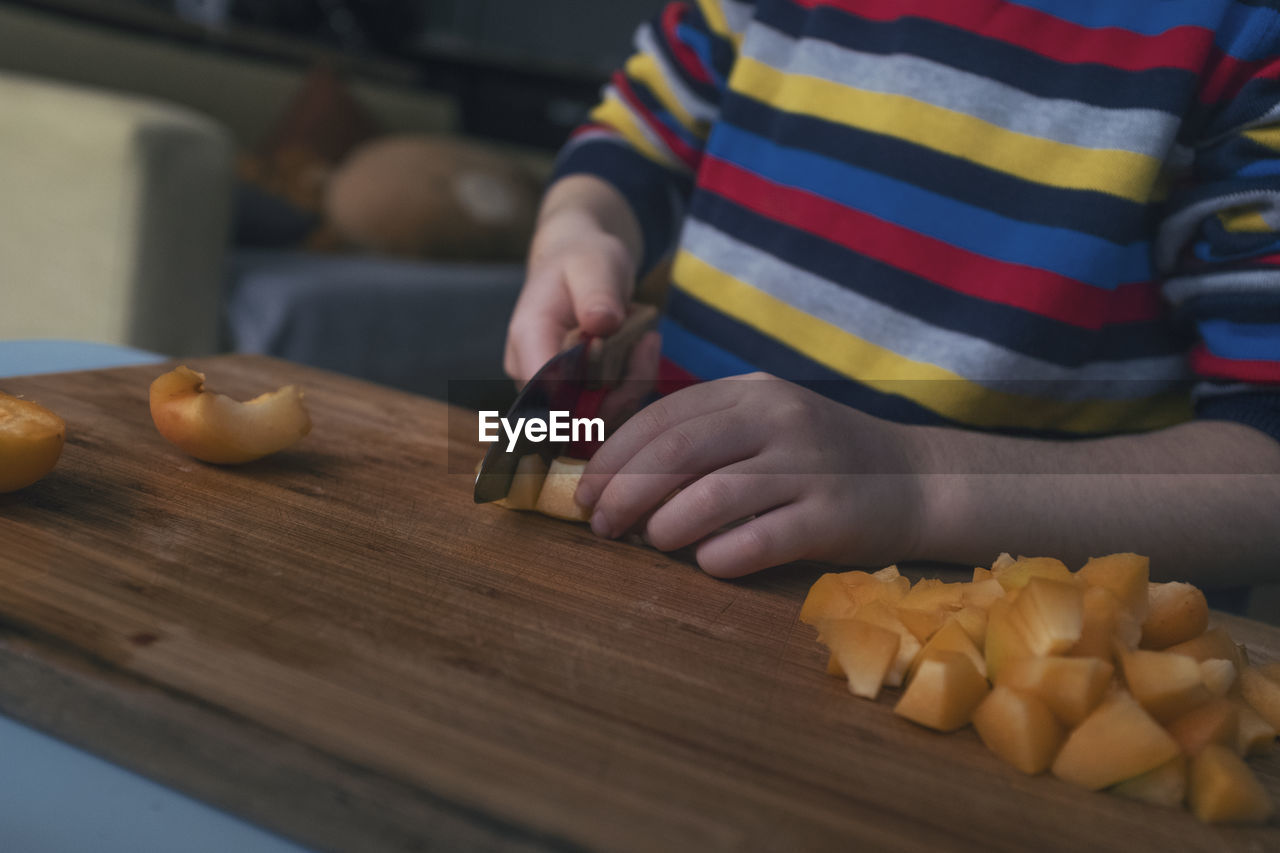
x: 1048, y: 217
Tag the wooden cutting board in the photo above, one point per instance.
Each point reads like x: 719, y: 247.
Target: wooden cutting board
x: 338, y: 644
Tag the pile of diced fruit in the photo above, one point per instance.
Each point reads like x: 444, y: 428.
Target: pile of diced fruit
x: 1099, y: 676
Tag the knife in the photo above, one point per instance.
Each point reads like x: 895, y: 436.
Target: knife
x: 587, y: 364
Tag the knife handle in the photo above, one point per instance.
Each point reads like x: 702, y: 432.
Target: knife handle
x: 607, y: 357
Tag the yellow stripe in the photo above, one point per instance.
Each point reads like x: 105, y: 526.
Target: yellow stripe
x: 1268, y: 136
x: 936, y: 389
x: 645, y: 69
x: 1244, y: 220
x: 1044, y: 161
x: 716, y: 20
x: 615, y: 114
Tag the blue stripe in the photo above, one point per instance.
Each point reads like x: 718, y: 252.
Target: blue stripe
x: 1068, y: 253
x: 701, y: 45
x: 1113, y: 219
x: 1006, y: 326
x: 699, y: 357
x: 1242, y: 341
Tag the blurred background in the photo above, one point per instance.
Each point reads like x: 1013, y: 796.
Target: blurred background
x: 349, y: 184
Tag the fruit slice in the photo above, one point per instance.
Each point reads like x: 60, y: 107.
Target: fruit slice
x: 1216, y: 721
x: 1126, y: 576
x: 1164, y: 786
x: 864, y: 653
x: 944, y: 692
x: 1016, y: 574
x: 1223, y: 790
x: 556, y: 497
x: 1255, y: 736
x: 981, y: 593
x: 1167, y: 685
x: 879, y: 613
x: 1104, y: 624
x: 1218, y: 675
x: 974, y: 622
x: 1051, y: 615
x: 1070, y: 687
x: 1213, y: 643
x: 1005, y: 642
x: 1118, y: 741
x: 526, y: 483
x: 828, y: 598
x: 951, y: 637
x: 31, y: 439
x: 1176, y: 612
x: 216, y: 429
x: 1019, y: 728
x: 1262, y: 694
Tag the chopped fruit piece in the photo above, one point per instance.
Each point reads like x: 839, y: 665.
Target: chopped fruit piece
x: 1262, y: 694
x: 556, y: 498
x: 828, y: 598
x: 888, y: 573
x: 944, y: 693
x: 1051, y: 615
x: 526, y: 483
x: 31, y: 439
x: 1213, y: 643
x: 974, y: 622
x: 1223, y: 790
x: 878, y: 613
x: 1019, y: 728
x: 1118, y: 741
x: 981, y: 593
x: 1070, y: 687
x: 1216, y: 721
x: 1167, y: 685
x: 1002, y: 562
x: 1176, y: 612
x: 1005, y: 642
x: 1104, y: 624
x: 1164, y: 786
x: 1255, y: 735
x: 951, y: 637
x: 1126, y: 576
x: 216, y: 429
x: 1218, y: 675
x: 1016, y: 574
x: 864, y: 652
x: 980, y: 574
x: 927, y: 605
x: 890, y: 591
x: 833, y: 666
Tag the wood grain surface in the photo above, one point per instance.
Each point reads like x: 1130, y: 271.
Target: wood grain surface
x: 338, y: 644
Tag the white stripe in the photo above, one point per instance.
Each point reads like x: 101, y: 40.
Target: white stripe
x: 646, y: 131
x: 1141, y: 131
x: 1179, y: 290
x: 977, y: 360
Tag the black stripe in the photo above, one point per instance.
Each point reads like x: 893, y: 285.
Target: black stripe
x: 1012, y: 328
x: 1119, y: 220
x: 1169, y: 89
x: 708, y: 92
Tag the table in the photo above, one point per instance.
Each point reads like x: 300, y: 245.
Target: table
x: 338, y: 644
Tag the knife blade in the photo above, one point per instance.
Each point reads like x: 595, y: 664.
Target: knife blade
x: 588, y: 363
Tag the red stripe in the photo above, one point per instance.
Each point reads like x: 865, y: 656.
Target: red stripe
x: 1205, y: 363
x: 1039, y: 291
x: 1227, y: 76
x: 1183, y: 47
x: 678, y: 146
x: 672, y: 377
x: 672, y: 15
x: 591, y: 127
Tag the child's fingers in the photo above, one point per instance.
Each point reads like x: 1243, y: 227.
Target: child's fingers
x: 681, y: 454
x: 712, y: 502
x: 776, y: 537
x: 597, y: 287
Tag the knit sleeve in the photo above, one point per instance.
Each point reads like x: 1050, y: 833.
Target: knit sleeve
x: 1219, y: 244
x: 646, y: 135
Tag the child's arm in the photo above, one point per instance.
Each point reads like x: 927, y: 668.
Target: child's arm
x: 827, y: 482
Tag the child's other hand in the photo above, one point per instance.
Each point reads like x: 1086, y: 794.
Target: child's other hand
x: 814, y: 479
x: 579, y: 276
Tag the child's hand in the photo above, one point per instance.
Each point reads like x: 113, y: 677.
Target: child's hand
x: 815, y: 479
x: 581, y: 273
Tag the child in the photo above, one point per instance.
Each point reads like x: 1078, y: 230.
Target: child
x: 989, y: 247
